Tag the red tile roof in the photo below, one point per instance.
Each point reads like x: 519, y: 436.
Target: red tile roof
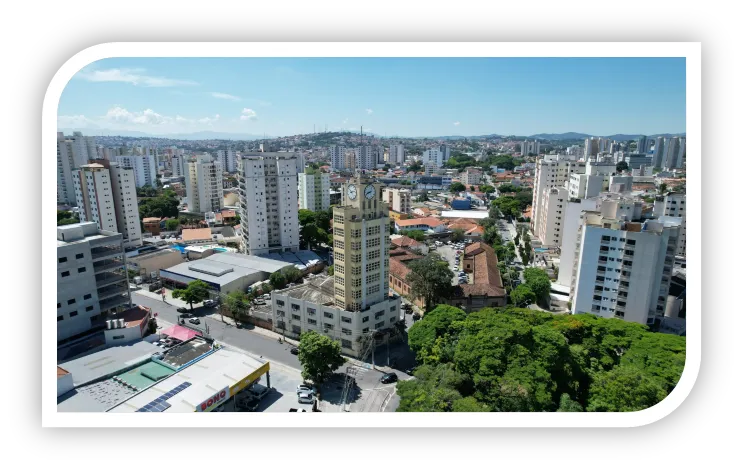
x: 487, y: 280
x: 405, y: 242
x: 430, y: 221
x: 197, y: 234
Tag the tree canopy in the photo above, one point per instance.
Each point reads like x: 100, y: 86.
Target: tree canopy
x: 196, y: 292
x: 430, y: 278
x: 538, y: 281
x: 314, y: 227
x: 457, y: 187
x: 522, y: 296
x: 319, y: 356
x: 67, y: 218
x: 622, y: 166
x: 417, y: 235
x: 514, y: 359
x: 163, y: 205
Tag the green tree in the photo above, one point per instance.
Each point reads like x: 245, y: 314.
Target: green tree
x: 171, y: 224
x: 422, y: 197
x: 237, y: 303
x: 331, y: 270
x: 487, y: 189
x: 277, y: 280
x: 622, y: 166
x: 67, y: 218
x: 292, y: 274
x: 415, y: 166
x: 469, y: 404
x: 457, y: 234
x: 569, y: 405
x: 456, y: 187
x: 624, y: 389
x: 522, y: 296
x: 430, y: 278
x: 507, y: 188
x: 538, y: 281
x: 319, y: 356
x: 195, y: 292
x: 417, y: 235
x: 423, y: 334
x: 662, y: 189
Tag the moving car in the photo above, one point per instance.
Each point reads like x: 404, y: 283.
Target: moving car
x: 294, y: 351
x: 305, y: 398
x: 389, y: 378
x: 182, y: 310
x: 186, y: 315
x: 194, y: 321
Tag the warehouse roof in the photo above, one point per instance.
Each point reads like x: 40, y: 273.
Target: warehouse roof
x: 226, y: 267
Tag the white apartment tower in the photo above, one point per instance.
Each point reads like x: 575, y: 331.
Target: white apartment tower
x: 551, y: 171
x: 398, y: 200
x: 106, y: 195
x: 438, y: 155
x: 144, y: 166
x: 623, y: 269
x: 65, y: 167
x: 396, y: 155
x: 268, y: 202
x: 204, y: 189
x: 337, y: 155
x: 227, y: 159
x: 314, y: 191
x: 673, y: 204
x: 673, y: 153
x: 659, y: 151
x: 472, y: 176
x: 368, y: 156
x: 178, y: 165
x: 530, y: 147
x: 83, y: 149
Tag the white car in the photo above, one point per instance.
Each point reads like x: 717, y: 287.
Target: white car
x: 305, y: 398
x: 306, y: 388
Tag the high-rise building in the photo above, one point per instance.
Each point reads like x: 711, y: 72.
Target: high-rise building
x: 590, y: 148
x: 204, y: 189
x: 361, y: 246
x: 528, y: 147
x: 144, y: 166
x: 368, y: 156
x: 337, y: 155
x: 91, y: 279
x: 673, y: 153
x: 314, y: 191
x: 472, y: 176
x: 396, y: 155
x: 658, y: 152
x: 642, y: 144
x: 673, y: 204
x: 398, y: 200
x: 107, y: 196
x: 268, y: 202
x: 551, y: 171
x: 83, y: 149
x: 178, y: 165
x: 65, y: 167
x: 227, y: 159
x: 437, y: 155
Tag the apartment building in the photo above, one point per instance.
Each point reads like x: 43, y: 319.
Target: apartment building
x: 368, y: 156
x: 551, y: 171
x: 472, y: 176
x: 314, y: 191
x: 65, y: 167
x: 673, y: 204
x: 337, y: 155
x: 659, y: 150
x: 549, y: 228
x: 355, y: 302
x: 204, y: 189
x: 268, y: 202
x: 642, y: 144
x: 91, y: 279
x: 437, y: 155
x: 528, y: 147
x: 178, y: 165
x: 674, y: 152
x: 622, y: 269
x: 396, y: 155
x: 144, y: 166
x: 398, y: 200
x: 227, y: 160
x: 107, y: 196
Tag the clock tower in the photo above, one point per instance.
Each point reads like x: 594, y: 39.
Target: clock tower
x: 361, y: 245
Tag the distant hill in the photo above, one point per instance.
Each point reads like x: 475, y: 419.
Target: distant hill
x: 564, y: 136
x: 202, y: 135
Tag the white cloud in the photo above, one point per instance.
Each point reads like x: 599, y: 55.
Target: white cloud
x: 77, y: 122
x: 345, y: 121
x: 456, y: 123
x: 209, y: 120
x: 224, y: 96
x: 369, y: 111
x: 147, y: 117
x: 248, y: 115
x: 134, y: 76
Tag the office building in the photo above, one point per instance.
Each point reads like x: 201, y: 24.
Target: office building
x: 91, y: 279
x: 337, y: 156
x: 144, y: 166
x: 551, y: 171
x: 268, y: 202
x: 106, y: 195
x: 590, y: 148
x: 636, y: 160
x: 227, y: 159
x: 398, y: 200
x: 673, y: 204
x: 204, y: 190
x: 314, y: 191
x: 437, y: 155
x: 622, y: 269
x: 396, y: 155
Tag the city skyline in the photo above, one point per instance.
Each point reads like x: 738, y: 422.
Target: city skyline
x: 415, y: 97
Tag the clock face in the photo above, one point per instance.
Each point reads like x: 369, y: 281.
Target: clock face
x: 352, y: 192
x: 369, y: 191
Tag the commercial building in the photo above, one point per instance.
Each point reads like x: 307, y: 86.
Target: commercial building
x: 151, y: 262
x: 91, y: 278
x: 438, y: 155
x: 472, y: 176
x: 227, y: 159
x: 399, y: 200
x: 128, y: 326
x: 268, y: 202
x: 396, y: 155
x: 622, y: 269
x: 106, y: 195
x: 314, y: 190
x: 224, y: 272
x: 144, y: 166
x: 673, y: 204
x: 461, y: 204
x: 337, y: 155
x: 204, y: 191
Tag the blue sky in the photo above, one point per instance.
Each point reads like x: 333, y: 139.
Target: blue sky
x: 388, y: 96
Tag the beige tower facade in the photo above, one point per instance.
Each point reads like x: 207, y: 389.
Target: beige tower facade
x: 361, y: 245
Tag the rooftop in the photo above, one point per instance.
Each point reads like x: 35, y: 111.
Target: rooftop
x: 486, y: 276
x: 318, y: 290
x: 196, y: 234
x: 430, y: 221
x: 476, y: 214
x: 226, y: 267
x: 186, y: 352
x: 109, y: 362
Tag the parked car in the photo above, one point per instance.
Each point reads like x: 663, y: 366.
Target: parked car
x: 308, y: 388
x: 182, y: 310
x: 250, y: 405
x: 296, y: 410
x: 389, y: 378
x: 294, y: 351
x: 186, y: 315
x: 258, y: 391
x: 210, y: 303
x: 194, y: 321
x: 267, y: 296
x: 305, y: 398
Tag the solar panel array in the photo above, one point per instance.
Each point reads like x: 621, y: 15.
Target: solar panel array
x: 160, y: 404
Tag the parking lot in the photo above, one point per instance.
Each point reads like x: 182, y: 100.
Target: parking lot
x: 449, y: 252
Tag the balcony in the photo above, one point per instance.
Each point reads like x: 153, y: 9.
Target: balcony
x: 113, y: 302
x: 107, y: 266
x: 111, y: 291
